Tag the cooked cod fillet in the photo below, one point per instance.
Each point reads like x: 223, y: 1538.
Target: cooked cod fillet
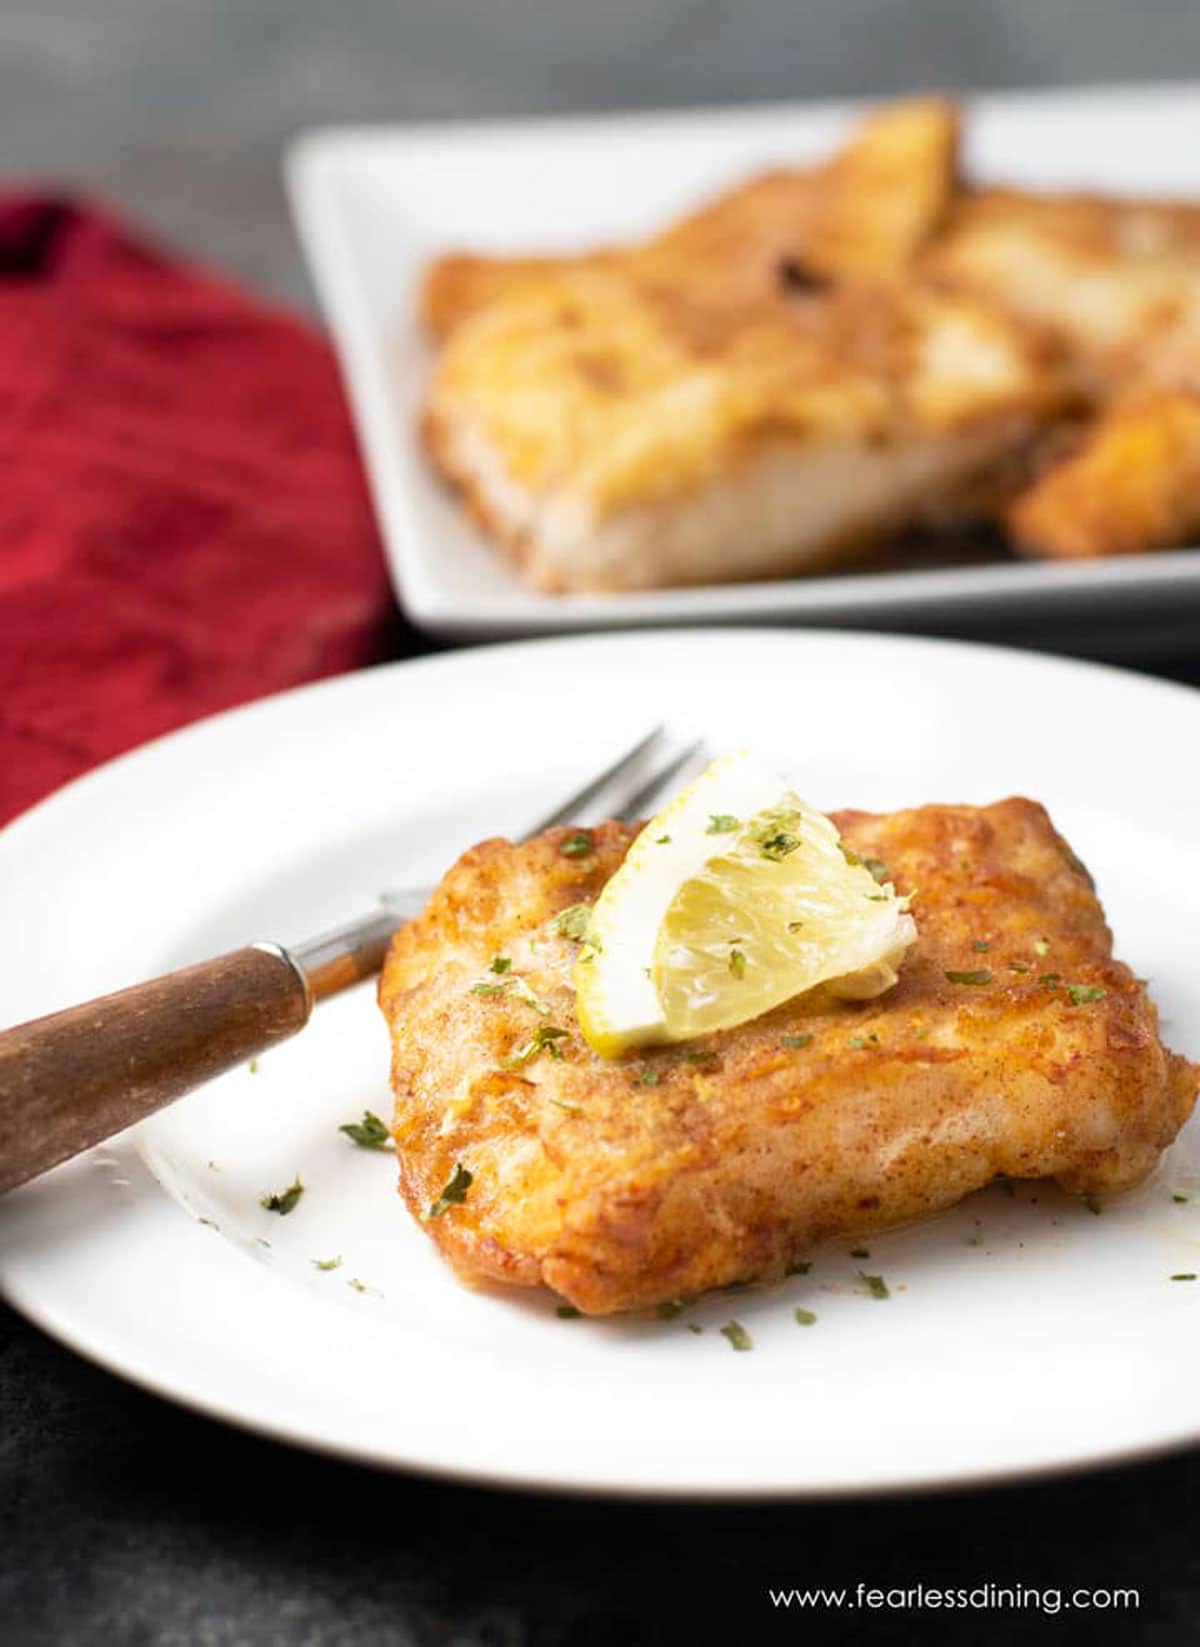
x: 1112, y: 278
x: 616, y: 433
x: 865, y: 212
x: 1133, y: 484
x: 620, y: 1184
x: 760, y: 390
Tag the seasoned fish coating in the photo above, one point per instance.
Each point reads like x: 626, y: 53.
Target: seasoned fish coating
x: 623, y: 1183
x: 764, y: 388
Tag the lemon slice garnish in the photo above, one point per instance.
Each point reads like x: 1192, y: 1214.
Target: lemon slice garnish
x: 735, y: 898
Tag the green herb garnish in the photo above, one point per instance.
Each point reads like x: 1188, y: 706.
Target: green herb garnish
x: 327, y: 1263
x: 804, y: 1318
x: 980, y: 946
x: 252, y: 1066
x: 574, y: 922
x: 671, y: 1307
x: 455, y: 1192
x: 694, y: 1326
x: 796, y: 1041
x: 359, y: 1286
x: 877, y: 868
x: 1050, y: 980
x: 645, y: 1077
x: 700, y: 1055
x: 1184, y: 1275
x: 1018, y: 966
x: 1179, y: 1200
x: 737, y: 963
x: 720, y: 823
x: 663, y: 840
x: 369, y: 1133
x: 875, y: 1285
x: 737, y: 1335
x: 284, y: 1202
x: 980, y: 976
x: 1079, y: 993
x: 545, y: 1038
x: 500, y: 963
x: 571, y: 1109
x: 568, y: 1312
x: 1041, y: 946
x: 577, y: 845
x: 859, y: 1252
x: 485, y: 988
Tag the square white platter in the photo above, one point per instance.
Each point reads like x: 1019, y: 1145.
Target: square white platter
x: 374, y: 204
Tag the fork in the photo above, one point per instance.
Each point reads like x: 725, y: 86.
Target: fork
x: 69, y: 1080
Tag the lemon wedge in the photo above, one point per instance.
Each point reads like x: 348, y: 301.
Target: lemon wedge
x: 735, y: 898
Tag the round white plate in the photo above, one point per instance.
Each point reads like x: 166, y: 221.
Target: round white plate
x: 1023, y: 1334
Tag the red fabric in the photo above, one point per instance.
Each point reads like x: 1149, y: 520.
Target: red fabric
x: 183, y: 519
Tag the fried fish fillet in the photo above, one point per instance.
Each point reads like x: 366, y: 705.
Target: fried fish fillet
x: 864, y: 213
x: 623, y: 1183
x: 1132, y: 485
x: 761, y: 390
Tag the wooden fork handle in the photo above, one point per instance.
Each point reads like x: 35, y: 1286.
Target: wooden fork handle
x: 78, y: 1076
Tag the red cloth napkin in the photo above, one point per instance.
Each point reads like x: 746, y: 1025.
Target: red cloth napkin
x: 183, y: 519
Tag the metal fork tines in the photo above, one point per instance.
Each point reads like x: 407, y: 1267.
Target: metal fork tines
x: 627, y: 789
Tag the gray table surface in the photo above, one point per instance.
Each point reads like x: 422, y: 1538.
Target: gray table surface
x: 124, y: 1520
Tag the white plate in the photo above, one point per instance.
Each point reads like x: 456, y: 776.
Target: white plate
x: 374, y: 204
x: 1057, y: 1340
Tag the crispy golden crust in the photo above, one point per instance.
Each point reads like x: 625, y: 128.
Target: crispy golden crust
x: 727, y: 399
x: 1133, y: 484
x: 741, y: 1151
x: 866, y: 212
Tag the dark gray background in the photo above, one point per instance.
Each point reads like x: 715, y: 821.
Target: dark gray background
x: 177, y: 108
x: 125, y: 1521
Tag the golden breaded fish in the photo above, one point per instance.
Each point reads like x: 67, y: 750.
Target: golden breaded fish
x: 1132, y: 485
x: 864, y: 213
x: 761, y: 390
x: 621, y: 1184
x: 620, y: 434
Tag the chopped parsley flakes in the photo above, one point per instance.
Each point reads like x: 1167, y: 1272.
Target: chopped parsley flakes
x: 500, y: 963
x: 369, y: 1133
x: 671, y: 1307
x: 721, y: 823
x: 286, y: 1201
x: 796, y: 1041
x: 327, y: 1263
x: 568, y: 1312
x: 455, y: 1192
x: 804, y: 1318
x: 875, y: 1285
x: 646, y: 1077
x: 1179, y: 1200
x: 1184, y: 1275
x: 545, y: 1038
x: 1041, y: 946
x: 577, y: 845
x: 737, y: 1335
x: 859, y: 1252
x: 877, y: 868
x: 574, y: 922
x: 1079, y: 993
x: 737, y: 963
x: 980, y: 975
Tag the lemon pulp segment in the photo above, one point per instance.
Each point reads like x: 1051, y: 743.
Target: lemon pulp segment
x: 735, y: 898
